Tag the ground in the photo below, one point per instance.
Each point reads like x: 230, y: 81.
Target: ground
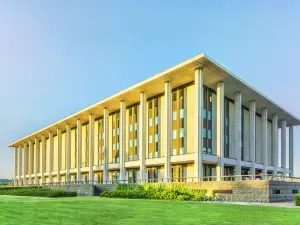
x: 91, y: 210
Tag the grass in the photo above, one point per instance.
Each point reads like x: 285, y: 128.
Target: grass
x: 35, y: 210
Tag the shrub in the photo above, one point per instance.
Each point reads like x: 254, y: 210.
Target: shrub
x: 297, y: 199
x: 40, y: 192
x: 157, y: 192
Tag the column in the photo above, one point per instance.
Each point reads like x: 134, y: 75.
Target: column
x: 238, y: 133
x: 58, y: 155
x: 252, y: 119
x: 291, y: 150
x: 91, y: 147
x: 105, y: 146
x: 275, y: 143
x: 68, y: 152
x: 16, y: 166
x: 168, y: 130
x: 220, y: 130
x: 30, y: 162
x: 43, y: 158
x: 264, y: 121
x: 283, y: 146
x: 25, y: 163
x: 198, y: 122
x: 78, y: 153
x: 20, y: 165
x: 142, y: 136
x: 122, y: 140
x: 50, y: 160
x: 36, y: 160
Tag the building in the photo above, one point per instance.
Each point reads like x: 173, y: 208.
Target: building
x: 191, y: 121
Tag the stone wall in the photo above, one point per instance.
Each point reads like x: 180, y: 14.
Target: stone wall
x: 81, y: 189
x: 283, y: 191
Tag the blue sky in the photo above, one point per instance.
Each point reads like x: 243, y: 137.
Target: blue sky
x: 57, y: 57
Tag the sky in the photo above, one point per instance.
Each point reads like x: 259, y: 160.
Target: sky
x: 57, y: 57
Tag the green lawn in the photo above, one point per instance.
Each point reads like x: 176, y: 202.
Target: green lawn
x: 33, y: 210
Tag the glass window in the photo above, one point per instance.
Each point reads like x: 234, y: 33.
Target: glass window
x: 118, y: 131
x: 181, y: 132
x: 150, y: 122
x: 174, y: 134
x: 174, y: 151
x: 150, y: 139
x: 135, y: 142
x: 135, y: 126
x: 204, y: 150
x: 174, y: 115
x: 114, y: 147
x: 156, y: 120
x: 209, y: 134
x: 209, y: 115
x: 118, y: 146
x: 103, y: 149
x: 204, y: 113
x: 181, y: 113
x: 227, y: 139
x: 226, y: 122
x: 204, y: 132
x: 156, y: 137
x: 130, y: 143
x: 181, y: 151
x: 130, y: 127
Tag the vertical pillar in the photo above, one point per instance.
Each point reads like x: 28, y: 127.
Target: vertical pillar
x: 264, y: 126
x: 142, y: 136
x: 220, y: 129
x: 105, y: 146
x: 291, y: 150
x: 168, y: 130
x: 50, y: 160
x: 198, y: 122
x: 283, y: 146
x: 91, y: 147
x: 275, y: 143
x: 30, y: 162
x: 252, y: 119
x: 16, y: 166
x: 43, y: 158
x: 58, y: 155
x: 36, y: 160
x: 25, y: 164
x: 78, y: 144
x: 68, y: 152
x: 20, y: 165
x: 238, y: 133
x: 122, y: 140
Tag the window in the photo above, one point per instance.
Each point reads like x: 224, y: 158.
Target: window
x: 114, y: 147
x: 130, y: 143
x: 174, y: 115
x: 135, y: 142
x: 130, y: 127
x: 156, y: 120
x: 150, y: 122
x: 118, y: 146
x: 118, y: 131
x: 174, y: 151
x: 156, y: 137
x: 150, y: 139
x: 204, y: 132
x: 174, y: 134
x: 204, y: 150
x: 181, y: 132
x: 209, y: 115
x: 204, y: 113
x: 209, y: 134
x: 135, y: 126
x: 181, y: 113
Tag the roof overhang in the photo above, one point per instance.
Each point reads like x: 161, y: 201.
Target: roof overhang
x: 154, y: 85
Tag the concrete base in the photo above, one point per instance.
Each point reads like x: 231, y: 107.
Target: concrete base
x: 81, y: 189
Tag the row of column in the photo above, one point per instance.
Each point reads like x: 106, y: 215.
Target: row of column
x: 31, y: 153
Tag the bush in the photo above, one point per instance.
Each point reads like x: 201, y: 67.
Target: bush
x: 297, y: 199
x: 159, y: 191
x: 40, y: 192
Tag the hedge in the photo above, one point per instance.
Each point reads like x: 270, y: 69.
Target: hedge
x: 297, y: 199
x: 158, y: 191
x: 40, y: 192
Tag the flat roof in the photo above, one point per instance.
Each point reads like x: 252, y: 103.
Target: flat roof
x: 154, y: 85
